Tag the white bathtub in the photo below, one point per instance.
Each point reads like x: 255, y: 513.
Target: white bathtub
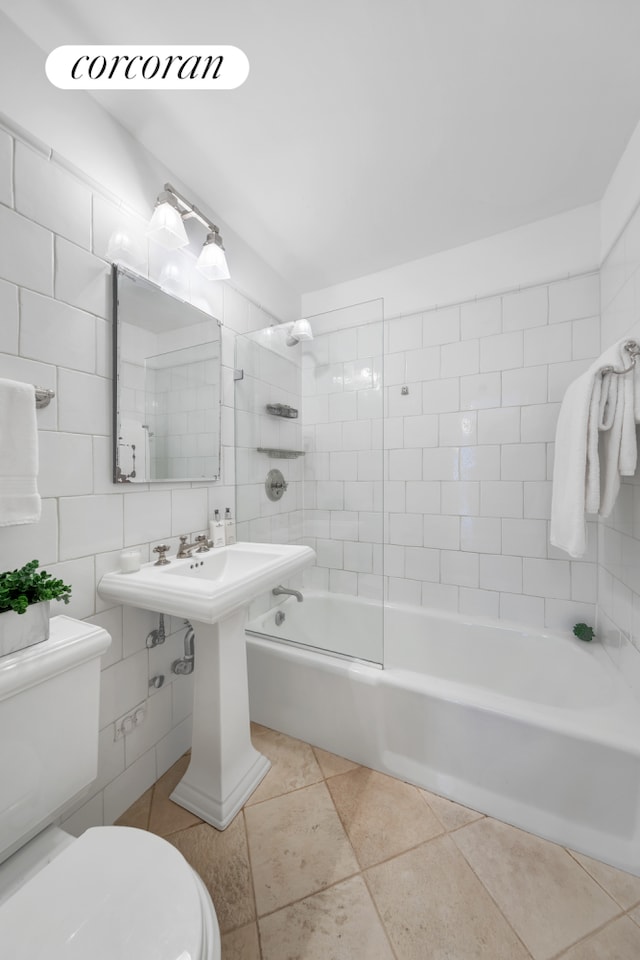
x: 535, y: 729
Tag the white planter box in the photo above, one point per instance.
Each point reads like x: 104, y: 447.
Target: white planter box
x: 20, y: 630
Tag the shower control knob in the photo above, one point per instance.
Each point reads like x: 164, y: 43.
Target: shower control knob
x: 275, y: 484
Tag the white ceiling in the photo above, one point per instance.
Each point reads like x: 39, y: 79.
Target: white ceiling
x: 372, y: 132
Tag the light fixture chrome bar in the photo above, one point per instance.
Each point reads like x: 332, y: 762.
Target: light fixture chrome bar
x: 167, y: 228
x: 190, y: 209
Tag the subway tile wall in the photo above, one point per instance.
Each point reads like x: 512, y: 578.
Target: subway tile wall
x: 342, y: 402
x: 57, y: 238
x: 185, y: 423
x: 619, y: 534
x: 271, y: 374
x: 467, y: 421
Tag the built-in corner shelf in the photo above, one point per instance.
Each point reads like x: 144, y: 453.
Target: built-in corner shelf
x: 282, y: 410
x: 276, y: 454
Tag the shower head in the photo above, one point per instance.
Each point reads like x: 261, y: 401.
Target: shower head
x: 300, y: 330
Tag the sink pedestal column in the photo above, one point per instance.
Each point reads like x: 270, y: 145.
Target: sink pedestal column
x: 225, y: 768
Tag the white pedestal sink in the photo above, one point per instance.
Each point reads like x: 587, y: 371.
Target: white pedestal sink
x: 213, y: 591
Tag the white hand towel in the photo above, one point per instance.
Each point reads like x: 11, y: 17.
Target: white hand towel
x: 570, y: 480
x: 19, y: 499
x: 610, y: 450
x: 629, y: 441
x: 618, y: 443
x: 592, y: 485
x: 583, y: 479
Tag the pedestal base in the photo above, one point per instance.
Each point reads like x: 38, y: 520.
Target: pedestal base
x: 225, y: 768
x: 220, y: 812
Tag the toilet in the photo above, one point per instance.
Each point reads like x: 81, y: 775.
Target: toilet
x: 115, y: 892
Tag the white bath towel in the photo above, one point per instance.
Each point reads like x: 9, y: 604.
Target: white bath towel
x: 19, y: 499
x: 592, y: 482
x: 595, y: 445
x: 618, y: 445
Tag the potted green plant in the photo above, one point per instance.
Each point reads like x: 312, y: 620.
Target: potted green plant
x: 25, y: 595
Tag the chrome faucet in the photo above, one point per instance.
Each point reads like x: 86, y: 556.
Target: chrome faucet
x: 185, y: 549
x: 294, y: 593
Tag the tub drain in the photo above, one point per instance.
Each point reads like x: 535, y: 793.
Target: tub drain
x: 280, y: 617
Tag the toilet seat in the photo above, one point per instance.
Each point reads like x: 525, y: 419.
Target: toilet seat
x: 116, y: 893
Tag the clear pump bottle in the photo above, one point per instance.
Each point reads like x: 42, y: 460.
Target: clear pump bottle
x: 229, y: 527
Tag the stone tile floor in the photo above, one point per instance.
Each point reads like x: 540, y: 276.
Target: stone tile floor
x: 329, y: 860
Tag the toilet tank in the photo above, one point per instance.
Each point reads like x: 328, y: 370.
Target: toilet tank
x: 49, y: 703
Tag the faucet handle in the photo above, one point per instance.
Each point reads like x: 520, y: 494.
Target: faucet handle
x: 203, y: 543
x: 161, y: 549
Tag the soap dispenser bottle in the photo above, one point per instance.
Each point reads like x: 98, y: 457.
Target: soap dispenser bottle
x: 217, y: 530
x: 229, y: 527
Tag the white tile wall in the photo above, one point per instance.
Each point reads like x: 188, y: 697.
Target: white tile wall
x: 26, y: 252
x: 90, y: 524
x: 6, y: 168
x: 619, y: 535
x: 273, y: 373
x: 482, y: 318
x: 344, y: 466
x: 524, y: 309
x: 49, y: 195
x: 468, y: 452
x: 501, y: 352
x: 56, y: 332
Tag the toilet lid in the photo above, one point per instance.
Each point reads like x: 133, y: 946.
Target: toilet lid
x: 117, y: 893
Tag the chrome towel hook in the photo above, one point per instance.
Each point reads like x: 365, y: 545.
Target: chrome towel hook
x: 633, y: 349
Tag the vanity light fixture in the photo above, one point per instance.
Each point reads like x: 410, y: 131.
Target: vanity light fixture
x: 167, y: 228
x: 212, y: 262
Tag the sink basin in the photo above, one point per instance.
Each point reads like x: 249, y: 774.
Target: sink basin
x: 207, y: 586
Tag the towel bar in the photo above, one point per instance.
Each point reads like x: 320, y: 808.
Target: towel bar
x: 44, y: 396
x: 633, y: 349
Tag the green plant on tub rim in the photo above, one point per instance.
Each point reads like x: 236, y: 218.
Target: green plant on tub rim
x: 21, y: 588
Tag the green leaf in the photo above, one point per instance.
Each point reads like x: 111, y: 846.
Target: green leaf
x: 21, y: 588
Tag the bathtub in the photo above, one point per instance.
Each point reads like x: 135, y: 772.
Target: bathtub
x: 532, y: 728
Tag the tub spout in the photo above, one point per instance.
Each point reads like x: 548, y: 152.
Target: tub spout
x: 294, y: 593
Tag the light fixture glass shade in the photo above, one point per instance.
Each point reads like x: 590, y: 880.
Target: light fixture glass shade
x: 212, y: 262
x: 301, y: 330
x: 166, y: 227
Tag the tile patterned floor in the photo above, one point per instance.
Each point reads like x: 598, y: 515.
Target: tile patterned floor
x: 332, y: 861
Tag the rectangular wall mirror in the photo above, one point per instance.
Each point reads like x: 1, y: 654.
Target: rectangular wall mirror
x: 166, y: 385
